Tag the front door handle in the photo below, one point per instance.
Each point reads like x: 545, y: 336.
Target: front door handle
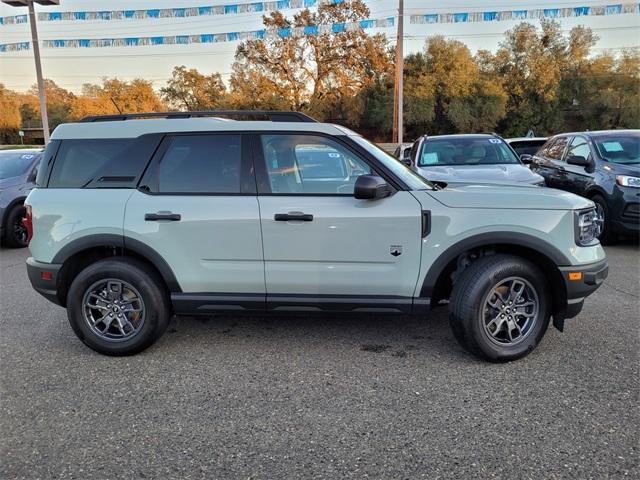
x: 285, y: 217
x: 154, y: 217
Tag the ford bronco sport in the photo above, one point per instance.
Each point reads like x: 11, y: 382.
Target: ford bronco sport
x: 136, y: 219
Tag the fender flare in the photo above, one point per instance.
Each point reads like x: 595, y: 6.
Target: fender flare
x: 120, y: 241
x: 487, y: 239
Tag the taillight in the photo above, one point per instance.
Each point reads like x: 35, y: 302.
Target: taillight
x: 27, y: 221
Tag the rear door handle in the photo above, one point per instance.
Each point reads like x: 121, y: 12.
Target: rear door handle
x: 285, y: 217
x: 154, y: 217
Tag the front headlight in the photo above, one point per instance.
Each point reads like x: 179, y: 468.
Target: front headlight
x: 588, y: 226
x: 627, y: 181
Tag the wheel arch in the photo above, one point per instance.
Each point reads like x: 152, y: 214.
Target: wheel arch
x: 437, y: 283
x: 77, y: 255
x: 595, y: 190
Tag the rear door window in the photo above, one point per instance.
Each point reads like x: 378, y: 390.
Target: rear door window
x: 201, y: 164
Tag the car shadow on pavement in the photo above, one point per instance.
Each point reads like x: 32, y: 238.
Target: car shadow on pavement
x: 389, y: 335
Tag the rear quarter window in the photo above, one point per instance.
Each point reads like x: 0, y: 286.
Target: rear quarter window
x: 101, y: 163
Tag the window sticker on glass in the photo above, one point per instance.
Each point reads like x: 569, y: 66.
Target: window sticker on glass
x: 494, y: 140
x: 28, y: 156
x: 612, y: 146
x: 429, y: 158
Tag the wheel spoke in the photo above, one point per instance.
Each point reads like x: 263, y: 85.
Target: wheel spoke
x: 96, y: 305
x: 511, y: 327
x: 497, y: 322
x: 495, y: 300
x: 114, y: 290
x: 516, y: 290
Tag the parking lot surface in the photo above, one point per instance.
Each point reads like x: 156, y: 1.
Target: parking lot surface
x: 320, y: 397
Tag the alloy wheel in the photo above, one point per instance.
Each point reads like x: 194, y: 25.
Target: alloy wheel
x: 113, y: 309
x: 510, y: 310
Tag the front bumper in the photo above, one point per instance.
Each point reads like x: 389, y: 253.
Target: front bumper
x: 44, y: 279
x: 580, y: 282
x: 625, y: 207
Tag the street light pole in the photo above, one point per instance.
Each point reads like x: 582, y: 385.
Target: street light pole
x: 398, y: 90
x: 36, y: 54
x: 41, y: 91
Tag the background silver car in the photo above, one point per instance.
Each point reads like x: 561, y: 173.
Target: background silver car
x: 470, y: 158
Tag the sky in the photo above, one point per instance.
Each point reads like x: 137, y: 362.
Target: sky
x: 71, y: 67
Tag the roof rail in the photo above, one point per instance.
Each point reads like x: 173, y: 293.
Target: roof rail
x: 271, y: 115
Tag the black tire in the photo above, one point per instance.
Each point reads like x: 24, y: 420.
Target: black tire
x: 15, y: 234
x: 154, y: 295
x: 606, y: 237
x: 468, y: 302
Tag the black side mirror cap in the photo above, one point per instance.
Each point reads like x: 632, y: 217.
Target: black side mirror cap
x: 578, y: 160
x: 526, y: 158
x: 371, y: 187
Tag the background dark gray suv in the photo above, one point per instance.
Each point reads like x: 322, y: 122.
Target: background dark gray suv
x: 18, y: 169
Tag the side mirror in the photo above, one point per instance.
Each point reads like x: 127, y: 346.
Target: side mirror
x: 578, y: 160
x: 526, y: 158
x: 406, y: 157
x: 33, y: 175
x: 371, y: 187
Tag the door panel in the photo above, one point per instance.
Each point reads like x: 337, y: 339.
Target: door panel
x: 550, y: 165
x: 214, y: 247
x: 578, y: 179
x: 347, y: 249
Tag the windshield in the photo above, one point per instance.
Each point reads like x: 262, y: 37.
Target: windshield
x: 619, y: 148
x: 14, y: 164
x: 412, y: 179
x: 465, y: 151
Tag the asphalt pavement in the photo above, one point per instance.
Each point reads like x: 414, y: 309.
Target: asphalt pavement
x: 320, y: 397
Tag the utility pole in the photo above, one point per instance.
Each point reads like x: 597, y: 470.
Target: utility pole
x: 36, y: 54
x: 398, y: 90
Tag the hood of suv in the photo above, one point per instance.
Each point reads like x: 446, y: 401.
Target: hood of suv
x: 12, y: 181
x: 480, y: 173
x: 508, y: 196
x: 632, y: 169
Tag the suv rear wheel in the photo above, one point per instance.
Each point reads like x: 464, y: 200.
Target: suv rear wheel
x: 117, y: 307
x: 499, y: 308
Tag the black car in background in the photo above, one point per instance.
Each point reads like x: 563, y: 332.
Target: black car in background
x: 603, y: 166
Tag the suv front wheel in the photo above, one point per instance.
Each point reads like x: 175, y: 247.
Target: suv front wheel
x: 117, y: 307
x: 499, y: 307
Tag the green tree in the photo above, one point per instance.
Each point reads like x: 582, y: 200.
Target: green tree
x: 322, y: 72
x: 531, y: 63
x: 190, y: 90
x: 447, y: 92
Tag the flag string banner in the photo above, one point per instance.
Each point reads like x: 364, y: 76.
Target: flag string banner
x: 533, y: 14
x: 181, y: 12
x: 204, y: 37
x: 263, y: 7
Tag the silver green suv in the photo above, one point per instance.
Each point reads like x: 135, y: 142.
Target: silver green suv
x: 135, y: 219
